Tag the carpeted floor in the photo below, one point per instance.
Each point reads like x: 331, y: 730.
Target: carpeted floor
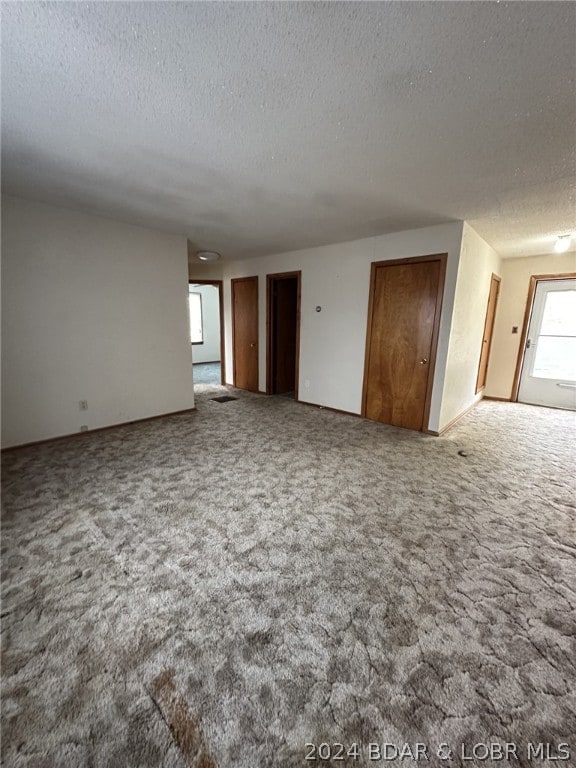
x: 224, y: 587
x: 207, y: 373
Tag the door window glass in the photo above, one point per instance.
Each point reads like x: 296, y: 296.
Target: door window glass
x: 555, y: 356
x: 559, y: 317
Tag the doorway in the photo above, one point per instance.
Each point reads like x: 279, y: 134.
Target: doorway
x: 206, y: 313
x: 488, y: 331
x: 245, y: 332
x: 548, y: 366
x: 283, y: 333
x: 403, y: 321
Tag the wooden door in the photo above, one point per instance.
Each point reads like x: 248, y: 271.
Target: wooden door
x: 284, y: 332
x: 403, y: 323
x: 245, y: 332
x: 488, y: 331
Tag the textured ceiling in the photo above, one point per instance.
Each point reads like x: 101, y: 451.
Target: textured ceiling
x: 256, y: 128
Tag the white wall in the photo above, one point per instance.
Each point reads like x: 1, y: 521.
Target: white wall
x: 209, y: 351
x: 478, y: 261
x: 516, y: 275
x: 92, y: 309
x: 337, y: 277
x: 203, y: 270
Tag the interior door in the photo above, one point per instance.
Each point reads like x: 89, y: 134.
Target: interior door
x: 285, y: 321
x: 405, y: 306
x: 549, y: 370
x: 488, y: 331
x: 245, y: 332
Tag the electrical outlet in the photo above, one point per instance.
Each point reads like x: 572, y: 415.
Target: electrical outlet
x: 84, y: 428
x: 83, y: 405
x: 307, y: 383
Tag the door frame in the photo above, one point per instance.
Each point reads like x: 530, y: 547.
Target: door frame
x: 498, y: 279
x: 233, y: 283
x: 534, y: 280
x: 270, y: 329
x: 220, y: 285
x: 442, y: 258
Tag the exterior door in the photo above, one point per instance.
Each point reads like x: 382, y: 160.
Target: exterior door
x: 488, y: 330
x: 402, y: 333
x: 549, y: 369
x: 245, y: 332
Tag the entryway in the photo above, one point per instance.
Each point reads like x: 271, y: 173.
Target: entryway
x: 548, y: 367
x: 283, y: 341
x: 205, y: 306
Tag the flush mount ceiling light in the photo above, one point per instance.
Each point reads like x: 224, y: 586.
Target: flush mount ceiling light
x: 207, y: 255
x: 562, y: 243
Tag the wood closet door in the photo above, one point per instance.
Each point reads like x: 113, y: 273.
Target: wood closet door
x: 245, y: 332
x: 488, y: 331
x: 405, y: 307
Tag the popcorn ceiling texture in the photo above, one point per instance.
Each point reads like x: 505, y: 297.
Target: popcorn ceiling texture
x: 219, y: 588
x: 257, y: 128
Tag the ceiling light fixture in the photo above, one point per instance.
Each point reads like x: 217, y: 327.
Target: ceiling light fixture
x: 207, y: 255
x: 562, y: 243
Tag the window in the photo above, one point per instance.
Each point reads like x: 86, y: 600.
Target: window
x: 196, y: 326
x: 556, y: 343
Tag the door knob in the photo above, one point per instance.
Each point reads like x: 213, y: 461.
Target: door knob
x: 423, y: 361
x: 252, y: 345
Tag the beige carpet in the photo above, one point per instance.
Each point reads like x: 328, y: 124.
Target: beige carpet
x: 224, y: 587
